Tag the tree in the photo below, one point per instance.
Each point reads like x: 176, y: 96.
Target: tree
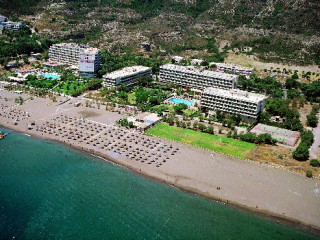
x: 179, y: 91
x: 144, y: 81
x: 292, y: 83
x: 309, y: 173
x: 94, y: 84
x: 31, y: 77
x: 315, y: 163
x: 307, y: 137
x: 302, y: 152
x: 312, y: 120
x: 202, y: 127
x: 179, y: 108
x: 210, y: 130
x: 123, y: 96
x: 229, y: 134
x: 265, y: 138
x: 220, y: 116
x: 249, y: 137
x: 141, y: 95
x: 154, y: 100
x: 312, y: 91
x: 236, y: 118
x: 170, y: 120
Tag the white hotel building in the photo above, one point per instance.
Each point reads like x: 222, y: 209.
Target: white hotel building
x: 246, y: 104
x: 234, y: 68
x: 89, y: 62
x: 127, y: 76
x: 67, y: 53
x: 198, y: 78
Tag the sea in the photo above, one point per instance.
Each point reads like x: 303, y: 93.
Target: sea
x: 49, y: 191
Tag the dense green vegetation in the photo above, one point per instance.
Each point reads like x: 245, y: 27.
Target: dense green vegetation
x: 302, y: 151
x: 314, y: 163
x: 145, y: 94
x: 312, y: 118
x: 268, y: 85
x: 112, y: 62
x: 211, y: 142
x: 281, y: 48
x: 312, y: 91
x: 276, y: 105
x: 42, y: 83
x: 258, y: 139
x: 125, y: 123
x: 284, y: 15
x: 14, y: 43
x: 73, y: 88
x: 279, y: 15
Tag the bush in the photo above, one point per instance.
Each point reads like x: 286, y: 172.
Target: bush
x: 302, y: 152
x: 309, y: 173
x: 265, y: 138
x: 180, y: 107
x: 307, y: 137
x: 312, y: 118
x: 315, y: 163
x: 124, y: 123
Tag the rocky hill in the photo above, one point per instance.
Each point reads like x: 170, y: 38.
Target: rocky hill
x: 273, y: 30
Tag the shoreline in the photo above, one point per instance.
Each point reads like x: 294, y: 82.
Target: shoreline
x: 275, y: 217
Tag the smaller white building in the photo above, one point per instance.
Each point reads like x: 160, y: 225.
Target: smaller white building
x: 196, y: 62
x: 144, y: 120
x: 3, y: 18
x: 13, y: 25
x: 89, y: 62
x: 1, y: 29
x: 177, y: 59
x: 234, y: 68
x: 127, y: 76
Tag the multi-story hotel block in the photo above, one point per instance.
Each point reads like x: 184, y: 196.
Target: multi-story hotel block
x: 234, y: 68
x: 246, y: 104
x: 198, y: 78
x: 89, y: 62
x: 126, y: 76
x: 67, y: 53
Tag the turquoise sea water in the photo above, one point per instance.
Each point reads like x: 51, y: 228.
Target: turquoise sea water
x: 48, y: 191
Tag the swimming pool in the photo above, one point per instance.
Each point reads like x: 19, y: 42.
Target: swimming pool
x: 178, y: 100
x: 50, y: 75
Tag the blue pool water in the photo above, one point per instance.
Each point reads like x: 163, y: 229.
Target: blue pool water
x: 50, y: 75
x: 178, y: 100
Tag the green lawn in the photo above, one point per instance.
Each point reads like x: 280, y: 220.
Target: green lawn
x: 211, y: 142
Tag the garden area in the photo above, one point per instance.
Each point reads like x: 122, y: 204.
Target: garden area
x: 145, y: 95
x: 211, y: 142
x: 42, y: 83
x: 72, y: 88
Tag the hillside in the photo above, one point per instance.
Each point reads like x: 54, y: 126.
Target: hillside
x: 279, y: 31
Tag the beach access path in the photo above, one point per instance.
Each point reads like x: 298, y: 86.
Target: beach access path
x: 232, y: 180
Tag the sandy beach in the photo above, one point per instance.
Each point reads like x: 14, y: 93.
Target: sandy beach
x: 235, y: 181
